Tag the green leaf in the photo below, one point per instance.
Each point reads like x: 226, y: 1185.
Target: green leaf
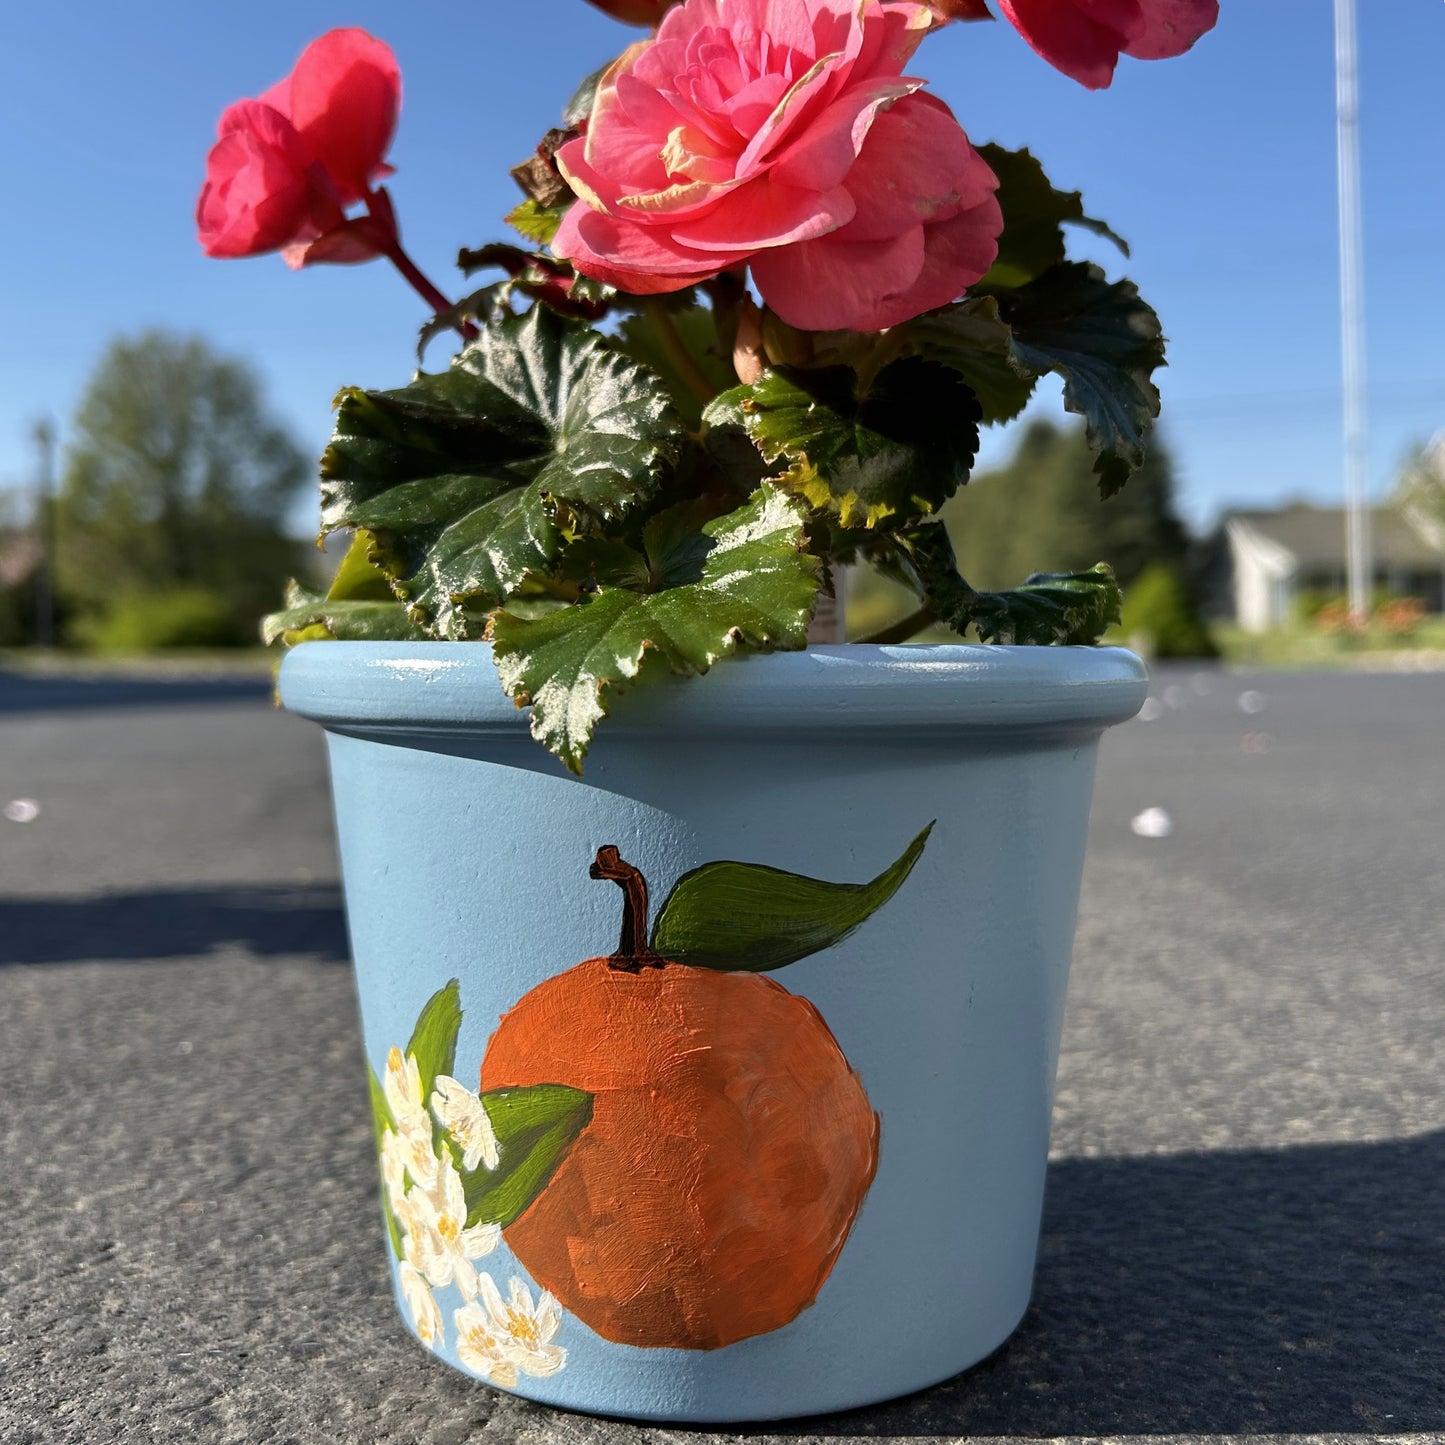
x: 696, y: 328
x: 891, y: 451
x: 434, y: 1040
x: 1068, y: 608
x: 579, y: 107
x: 538, y: 223
x: 323, y: 621
x: 357, y: 607
x: 1034, y: 214
x: 1106, y: 343
x: 975, y: 341
x: 381, y: 1121
x: 695, y: 591
x: 743, y: 917
x: 473, y: 478
x: 535, y: 1127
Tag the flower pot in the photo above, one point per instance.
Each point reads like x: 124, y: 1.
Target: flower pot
x: 798, y: 1167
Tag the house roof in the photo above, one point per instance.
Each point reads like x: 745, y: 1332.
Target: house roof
x: 1315, y: 536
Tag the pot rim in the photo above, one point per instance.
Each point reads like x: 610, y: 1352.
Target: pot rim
x: 852, y: 688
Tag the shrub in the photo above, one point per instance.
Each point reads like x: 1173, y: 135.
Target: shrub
x: 1159, y: 607
x: 156, y: 621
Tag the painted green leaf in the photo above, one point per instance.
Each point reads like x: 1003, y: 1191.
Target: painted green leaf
x: 1106, y: 343
x: 894, y: 449
x: 695, y: 591
x: 743, y: 917
x: 1067, y: 608
x: 1034, y: 215
x: 381, y: 1121
x: 434, y: 1040
x: 535, y: 1127
x: 472, y: 478
x: 973, y: 339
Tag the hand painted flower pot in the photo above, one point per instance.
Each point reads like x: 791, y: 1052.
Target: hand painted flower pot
x: 715, y: 1085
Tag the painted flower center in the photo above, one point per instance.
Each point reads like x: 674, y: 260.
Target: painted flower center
x: 523, y: 1330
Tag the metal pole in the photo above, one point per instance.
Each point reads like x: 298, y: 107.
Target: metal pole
x: 1358, y: 561
x: 45, y: 535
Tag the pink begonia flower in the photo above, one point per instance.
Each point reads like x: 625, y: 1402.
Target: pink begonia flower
x: 1084, y: 38
x: 783, y: 135
x: 635, y: 12
x: 285, y: 166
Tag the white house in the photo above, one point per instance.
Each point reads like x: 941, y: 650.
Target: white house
x: 1276, y: 555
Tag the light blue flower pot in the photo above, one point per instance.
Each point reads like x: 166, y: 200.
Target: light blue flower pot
x: 733, y: 1274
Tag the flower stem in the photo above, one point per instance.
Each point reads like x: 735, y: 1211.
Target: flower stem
x: 675, y: 349
x: 378, y: 204
x: 904, y: 628
x: 424, y: 288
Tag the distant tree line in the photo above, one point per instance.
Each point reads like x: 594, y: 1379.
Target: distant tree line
x: 170, y: 519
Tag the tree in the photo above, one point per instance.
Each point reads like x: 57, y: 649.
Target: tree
x: 177, y: 479
x: 1042, y: 513
x: 1420, y: 490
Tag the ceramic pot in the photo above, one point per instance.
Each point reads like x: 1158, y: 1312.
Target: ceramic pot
x: 790, y: 1160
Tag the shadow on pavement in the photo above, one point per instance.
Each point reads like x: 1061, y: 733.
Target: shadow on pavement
x: 1281, y: 1292
x: 32, y: 692
x: 174, y: 923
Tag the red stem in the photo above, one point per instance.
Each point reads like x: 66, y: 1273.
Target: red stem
x: 378, y: 204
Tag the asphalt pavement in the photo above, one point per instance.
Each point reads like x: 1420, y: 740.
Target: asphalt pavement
x: 1244, y: 1234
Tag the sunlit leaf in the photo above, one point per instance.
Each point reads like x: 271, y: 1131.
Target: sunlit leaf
x: 692, y: 593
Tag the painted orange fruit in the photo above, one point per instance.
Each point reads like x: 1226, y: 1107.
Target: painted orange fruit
x: 730, y: 1145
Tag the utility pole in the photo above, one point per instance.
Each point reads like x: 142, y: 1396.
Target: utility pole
x: 44, y: 434
x: 1359, y: 567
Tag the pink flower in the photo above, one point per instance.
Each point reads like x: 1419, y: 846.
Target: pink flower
x: 1084, y: 38
x: 285, y: 167
x: 782, y: 134
x: 635, y: 12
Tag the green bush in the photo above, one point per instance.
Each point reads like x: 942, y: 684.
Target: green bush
x: 156, y: 621
x: 1158, y: 606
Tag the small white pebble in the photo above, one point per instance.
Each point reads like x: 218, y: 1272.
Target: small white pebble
x: 1174, y: 696
x: 184, y: 1047
x: 1151, y: 710
x: 22, y: 810
x: 1152, y: 823
x: 1251, y: 702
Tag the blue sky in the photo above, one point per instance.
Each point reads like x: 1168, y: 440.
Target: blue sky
x: 1219, y: 167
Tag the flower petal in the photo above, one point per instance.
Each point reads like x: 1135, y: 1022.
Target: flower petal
x: 826, y: 285
x: 765, y: 213
x: 635, y: 258
x: 345, y: 93
x: 1170, y: 27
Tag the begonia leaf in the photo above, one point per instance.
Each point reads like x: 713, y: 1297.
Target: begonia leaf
x: 877, y: 454
x: 975, y: 341
x: 693, y: 592
x: 473, y: 478
x: 1105, y: 341
x: 357, y: 607
x: 1034, y: 215
x: 696, y: 331
x: 1065, y: 609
